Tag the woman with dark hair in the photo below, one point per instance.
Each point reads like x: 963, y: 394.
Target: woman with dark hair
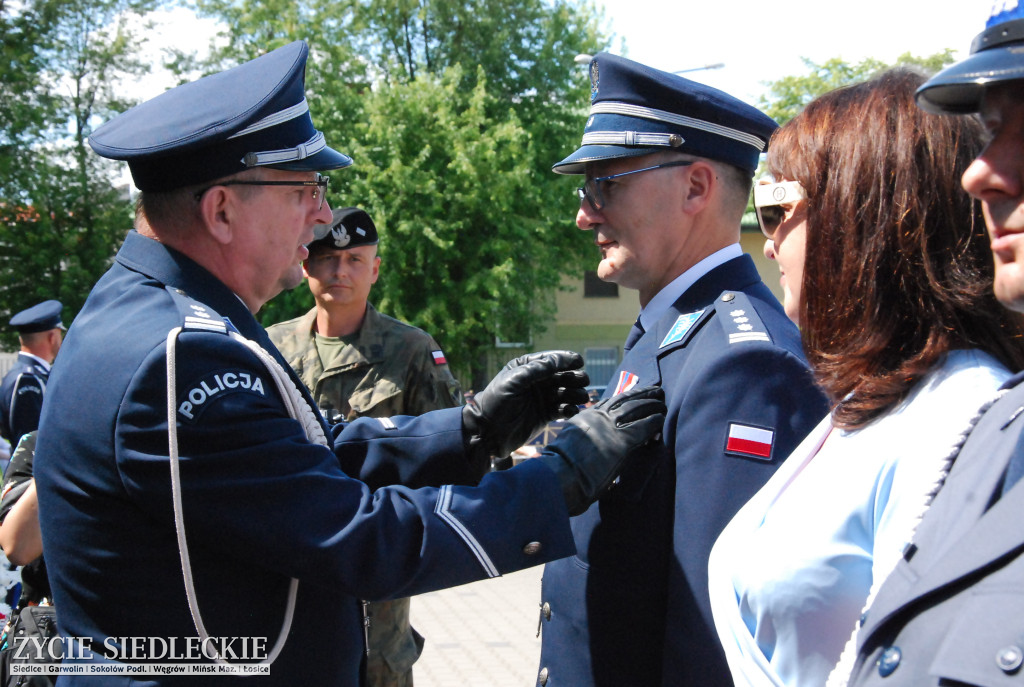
x: 886, y: 268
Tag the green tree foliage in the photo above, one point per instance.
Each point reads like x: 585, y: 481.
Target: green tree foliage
x: 788, y: 95
x: 465, y: 252
x: 60, y: 217
x: 454, y: 112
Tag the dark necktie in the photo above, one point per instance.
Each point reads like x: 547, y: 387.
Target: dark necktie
x: 634, y: 335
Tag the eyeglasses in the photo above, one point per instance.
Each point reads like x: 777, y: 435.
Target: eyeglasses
x: 768, y: 201
x: 319, y: 185
x: 591, y: 190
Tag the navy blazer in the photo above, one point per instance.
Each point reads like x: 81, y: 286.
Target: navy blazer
x: 632, y: 606
x: 21, y: 398
x: 952, y: 611
x: 261, y: 503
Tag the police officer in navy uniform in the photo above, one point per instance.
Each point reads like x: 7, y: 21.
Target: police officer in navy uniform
x: 952, y: 611
x: 192, y: 501
x: 668, y: 165
x: 40, y: 333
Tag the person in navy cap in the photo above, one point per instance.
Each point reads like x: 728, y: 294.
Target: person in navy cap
x: 952, y: 611
x: 194, y: 506
x: 667, y: 166
x: 40, y: 333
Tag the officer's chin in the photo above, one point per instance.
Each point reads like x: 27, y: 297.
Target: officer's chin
x: 290, y: 279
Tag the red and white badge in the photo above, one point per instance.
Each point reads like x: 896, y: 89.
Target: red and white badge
x: 753, y: 442
x: 627, y: 380
x: 439, y: 358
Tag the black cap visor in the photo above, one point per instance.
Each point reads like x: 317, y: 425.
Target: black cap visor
x: 959, y: 89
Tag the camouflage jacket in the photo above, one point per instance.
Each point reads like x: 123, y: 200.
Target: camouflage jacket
x: 391, y: 369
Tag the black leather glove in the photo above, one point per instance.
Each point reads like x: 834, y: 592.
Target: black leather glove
x: 589, y: 452
x: 529, y: 392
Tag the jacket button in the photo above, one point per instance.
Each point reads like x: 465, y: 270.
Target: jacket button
x: 543, y: 677
x: 546, y: 610
x: 532, y: 549
x: 889, y: 661
x: 1009, y: 658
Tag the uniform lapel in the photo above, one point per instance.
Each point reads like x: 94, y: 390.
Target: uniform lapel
x: 959, y: 534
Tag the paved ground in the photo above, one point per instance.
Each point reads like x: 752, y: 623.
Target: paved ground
x: 482, y: 633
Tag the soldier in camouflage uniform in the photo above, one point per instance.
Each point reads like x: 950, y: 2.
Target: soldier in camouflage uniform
x: 358, y: 362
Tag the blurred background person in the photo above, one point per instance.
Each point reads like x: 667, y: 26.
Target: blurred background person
x: 40, y: 333
x: 886, y: 268
x: 357, y: 362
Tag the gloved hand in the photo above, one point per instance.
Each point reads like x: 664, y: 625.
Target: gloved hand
x: 529, y: 392
x: 588, y: 454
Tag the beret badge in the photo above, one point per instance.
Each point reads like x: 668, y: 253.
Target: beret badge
x: 340, y: 236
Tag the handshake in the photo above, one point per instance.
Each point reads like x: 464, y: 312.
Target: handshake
x: 532, y: 390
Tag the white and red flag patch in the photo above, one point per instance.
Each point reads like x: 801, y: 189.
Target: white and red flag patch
x: 439, y: 358
x: 627, y: 380
x: 754, y: 442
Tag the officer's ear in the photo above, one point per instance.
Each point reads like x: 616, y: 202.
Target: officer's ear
x: 217, y: 209
x: 701, y: 185
x: 376, y: 269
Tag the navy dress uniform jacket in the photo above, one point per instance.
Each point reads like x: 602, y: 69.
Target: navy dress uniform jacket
x: 952, y: 611
x: 632, y: 606
x: 21, y: 398
x: 261, y: 503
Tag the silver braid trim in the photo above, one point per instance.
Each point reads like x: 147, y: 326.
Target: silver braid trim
x: 629, y: 110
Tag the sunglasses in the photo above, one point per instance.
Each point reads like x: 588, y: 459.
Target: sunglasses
x: 768, y: 201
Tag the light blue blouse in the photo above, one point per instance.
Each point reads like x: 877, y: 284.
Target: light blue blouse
x: 791, y: 573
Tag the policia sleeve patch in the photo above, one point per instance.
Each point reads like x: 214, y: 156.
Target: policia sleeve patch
x: 218, y: 385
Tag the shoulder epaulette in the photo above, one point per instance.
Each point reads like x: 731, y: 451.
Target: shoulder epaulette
x: 739, y: 319
x: 196, y: 316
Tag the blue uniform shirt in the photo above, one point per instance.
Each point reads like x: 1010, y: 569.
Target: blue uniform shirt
x: 261, y: 503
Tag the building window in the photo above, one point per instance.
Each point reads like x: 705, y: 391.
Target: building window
x: 593, y: 287
x: 600, y: 364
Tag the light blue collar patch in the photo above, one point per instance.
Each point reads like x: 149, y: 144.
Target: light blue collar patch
x: 679, y: 329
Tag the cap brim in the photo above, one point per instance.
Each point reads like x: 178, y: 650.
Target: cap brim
x: 958, y: 89
x: 326, y: 159
x: 577, y: 162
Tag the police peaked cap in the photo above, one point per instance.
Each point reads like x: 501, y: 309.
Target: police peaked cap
x: 636, y: 110
x: 41, y: 317
x: 349, y: 227
x: 997, y: 55
x: 254, y: 115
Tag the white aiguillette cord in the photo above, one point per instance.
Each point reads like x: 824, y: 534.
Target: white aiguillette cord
x: 299, y: 410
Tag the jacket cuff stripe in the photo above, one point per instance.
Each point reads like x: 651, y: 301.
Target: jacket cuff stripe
x: 443, y: 510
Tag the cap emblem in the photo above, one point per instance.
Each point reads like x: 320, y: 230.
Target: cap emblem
x: 595, y: 80
x: 340, y: 236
